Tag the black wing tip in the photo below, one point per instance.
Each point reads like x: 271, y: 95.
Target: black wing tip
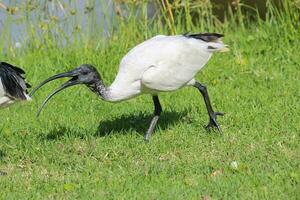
x: 207, y: 37
x: 13, y: 81
x: 12, y: 67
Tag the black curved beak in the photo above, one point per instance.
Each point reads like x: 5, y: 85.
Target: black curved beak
x: 72, y: 73
x: 73, y: 81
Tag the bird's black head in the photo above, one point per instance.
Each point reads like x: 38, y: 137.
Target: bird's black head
x: 84, y: 74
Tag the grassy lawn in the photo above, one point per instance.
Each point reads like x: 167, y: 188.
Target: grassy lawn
x: 81, y: 147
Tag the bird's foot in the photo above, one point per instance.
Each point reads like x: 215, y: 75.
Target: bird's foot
x: 213, y: 121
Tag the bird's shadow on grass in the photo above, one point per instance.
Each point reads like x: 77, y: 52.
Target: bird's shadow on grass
x: 61, y: 131
x: 2, y: 154
x: 120, y: 125
x: 137, y: 122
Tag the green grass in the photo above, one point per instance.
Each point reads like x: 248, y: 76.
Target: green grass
x: 84, y: 148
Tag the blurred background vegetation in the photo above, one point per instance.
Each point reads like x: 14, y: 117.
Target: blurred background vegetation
x: 37, y: 23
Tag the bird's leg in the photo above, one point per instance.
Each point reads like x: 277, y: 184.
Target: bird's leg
x: 212, y: 115
x: 157, y: 111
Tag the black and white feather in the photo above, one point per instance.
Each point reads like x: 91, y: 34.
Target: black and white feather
x: 207, y: 37
x: 13, y: 86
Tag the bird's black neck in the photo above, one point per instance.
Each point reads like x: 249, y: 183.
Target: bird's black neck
x: 99, y: 88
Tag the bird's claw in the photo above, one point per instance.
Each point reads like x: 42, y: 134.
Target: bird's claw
x: 213, y: 121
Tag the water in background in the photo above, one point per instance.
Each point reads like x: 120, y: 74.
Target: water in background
x: 22, y: 18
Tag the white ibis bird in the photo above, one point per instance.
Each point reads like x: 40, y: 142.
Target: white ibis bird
x: 160, y: 64
x: 13, y: 86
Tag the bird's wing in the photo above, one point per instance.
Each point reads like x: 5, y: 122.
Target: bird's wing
x: 213, y: 40
x: 166, y: 76
x: 13, y: 81
x: 175, y: 62
x: 207, y: 37
x: 155, y: 79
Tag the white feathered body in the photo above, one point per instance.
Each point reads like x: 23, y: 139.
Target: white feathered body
x: 160, y: 64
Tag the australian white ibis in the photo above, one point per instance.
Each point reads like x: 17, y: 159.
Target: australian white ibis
x: 160, y: 64
x: 13, y: 86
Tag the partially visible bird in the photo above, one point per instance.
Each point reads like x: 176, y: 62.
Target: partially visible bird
x: 160, y: 64
x: 13, y: 86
